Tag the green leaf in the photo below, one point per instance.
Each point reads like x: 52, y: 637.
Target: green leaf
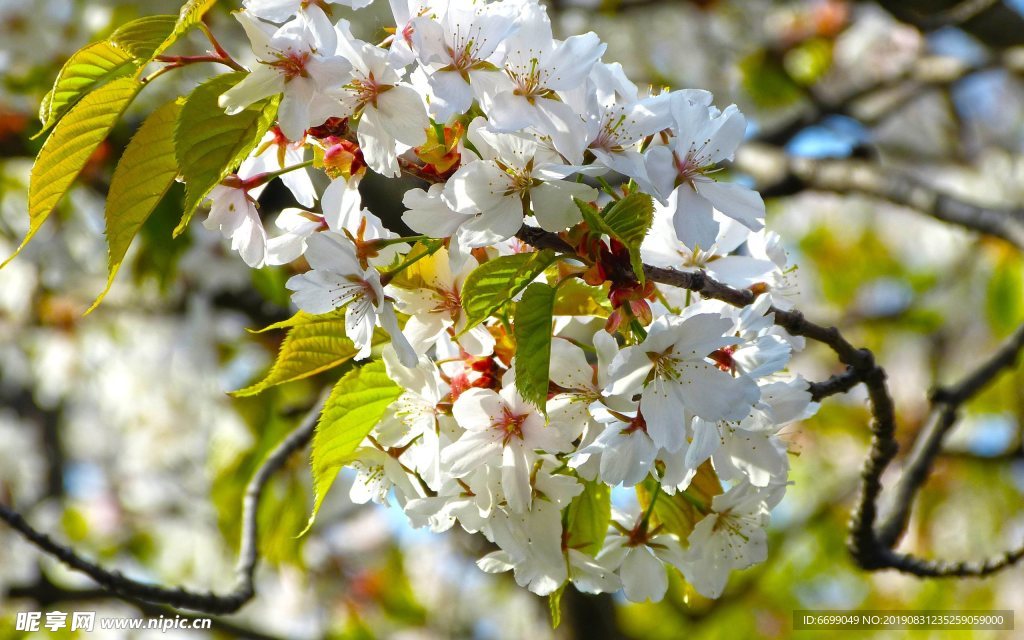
x: 356, y: 404
x: 495, y: 282
x: 1004, y: 300
x: 190, y: 15
x: 143, y: 175
x: 88, y: 68
x: 300, y: 318
x: 628, y: 220
x: 209, y: 144
x: 66, y: 151
x: 589, y: 515
x: 574, y: 298
x: 555, y: 606
x: 591, y: 216
x: 681, y: 512
x: 766, y: 81
x: 309, y: 348
x: 44, y: 111
x: 141, y: 38
x: 532, y: 329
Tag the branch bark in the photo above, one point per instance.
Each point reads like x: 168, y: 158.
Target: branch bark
x: 179, y: 597
x: 772, y: 167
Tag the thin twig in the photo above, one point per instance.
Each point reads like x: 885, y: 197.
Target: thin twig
x: 47, y: 594
x: 179, y: 597
x: 772, y: 167
x: 946, y: 404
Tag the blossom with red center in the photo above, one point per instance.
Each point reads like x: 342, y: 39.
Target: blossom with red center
x: 296, y: 59
x: 501, y: 428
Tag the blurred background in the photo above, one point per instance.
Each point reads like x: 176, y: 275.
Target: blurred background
x: 116, y: 433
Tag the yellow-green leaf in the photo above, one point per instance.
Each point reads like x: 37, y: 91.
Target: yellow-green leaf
x: 143, y: 175
x: 66, y: 151
x: 589, y: 515
x: 555, y: 606
x: 300, y: 318
x: 532, y: 327
x: 681, y: 512
x: 628, y: 220
x: 190, y: 15
x: 1004, y: 300
x: 356, y: 404
x: 142, y: 37
x: 308, y: 349
x: 574, y: 298
x: 88, y: 68
x: 209, y: 143
x: 497, y: 281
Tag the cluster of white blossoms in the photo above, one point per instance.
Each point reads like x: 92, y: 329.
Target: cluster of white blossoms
x: 650, y: 387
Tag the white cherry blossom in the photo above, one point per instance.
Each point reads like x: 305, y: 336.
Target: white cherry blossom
x: 233, y: 212
x: 672, y: 372
x: 685, y: 168
x: 337, y: 280
x: 502, y: 428
x: 517, y: 175
x: 293, y: 60
x: 731, y: 537
x: 390, y: 112
x: 537, y: 67
x: 463, y: 44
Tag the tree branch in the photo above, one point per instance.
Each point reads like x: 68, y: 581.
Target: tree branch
x: 946, y: 404
x: 46, y: 594
x: 772, y: 166
x: 180, y: 597
x: 872, y: 549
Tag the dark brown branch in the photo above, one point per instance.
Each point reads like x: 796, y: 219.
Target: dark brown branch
x: 871, y: 548
x: 995, y: 24
x: 47, y: 594
x: 839, y: 383
x: 771, y: 166
x: 179, y: 597
x: 946, y: 402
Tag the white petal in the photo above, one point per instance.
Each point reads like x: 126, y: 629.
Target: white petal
x: 261, y: 83
x: 734, y: 200
x: 643, y: 576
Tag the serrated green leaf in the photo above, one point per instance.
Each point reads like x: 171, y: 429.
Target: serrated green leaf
x: 591, y: 216
x: 44, y: 110
x: 86, y: 69
x: 209, y: 144
x: 555, y: 606
x: 589, y: 515
x: 300, y: 318
x: 141, y: 38
x: 532, y: 327
x: 495, y: 282
x: 628, y: 220
x: 143, y: 175
x: 66, y: 151
x: 356, y: 404
x: 308, y: 349
x: 190, y: 15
